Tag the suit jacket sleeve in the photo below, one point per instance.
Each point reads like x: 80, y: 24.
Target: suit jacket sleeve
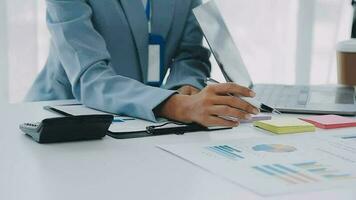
x: 191, y: 64
x: 86, y: 61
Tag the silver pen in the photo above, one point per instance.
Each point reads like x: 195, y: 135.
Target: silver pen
x: 249, y: 100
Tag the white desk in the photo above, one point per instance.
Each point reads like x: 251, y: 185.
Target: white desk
x: 115, y: 169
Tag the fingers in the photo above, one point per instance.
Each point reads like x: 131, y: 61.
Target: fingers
x: 222, y: 110
x: 237, y: 103
x: 217, y: 121
x: 231, y: 88
x: 213, y: 107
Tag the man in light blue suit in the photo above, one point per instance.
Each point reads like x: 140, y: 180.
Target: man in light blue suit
x: 99, y: 56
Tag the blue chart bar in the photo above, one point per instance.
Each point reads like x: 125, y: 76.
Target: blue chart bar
x: 230, y: 148
x: 306, y: 164
x: 226, y: 151
x: 338, y: 176
x: 269, y: 170
x: 316, y: 170
x: 285, y: 168
x: 349, y: 137
x: 300, y: 176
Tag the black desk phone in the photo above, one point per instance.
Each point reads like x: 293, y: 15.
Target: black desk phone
x: 70, y: 128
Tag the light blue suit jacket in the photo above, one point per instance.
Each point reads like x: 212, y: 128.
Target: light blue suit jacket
x: 99, y: 54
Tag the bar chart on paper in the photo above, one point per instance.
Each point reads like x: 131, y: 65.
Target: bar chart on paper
x: 226, y: 151
x: 285, y: 174
x: 302, y: 173
x: 324, y: 171
x: 288, y: 165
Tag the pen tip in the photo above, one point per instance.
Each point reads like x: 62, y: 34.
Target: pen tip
x: 276, y: 112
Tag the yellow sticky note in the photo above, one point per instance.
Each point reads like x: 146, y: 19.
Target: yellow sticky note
x: 285, y: 126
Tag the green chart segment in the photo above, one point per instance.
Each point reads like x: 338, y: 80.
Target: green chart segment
x: 226, y: 151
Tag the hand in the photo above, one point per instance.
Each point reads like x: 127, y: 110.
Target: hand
x: 206, y: 106
x: 188, y: 90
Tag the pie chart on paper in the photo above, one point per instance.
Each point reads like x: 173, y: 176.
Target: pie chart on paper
x: 274, y: 148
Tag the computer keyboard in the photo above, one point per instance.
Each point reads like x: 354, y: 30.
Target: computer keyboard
x: 282, y: 95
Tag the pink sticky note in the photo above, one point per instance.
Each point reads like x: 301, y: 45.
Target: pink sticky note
x: 330, y: 121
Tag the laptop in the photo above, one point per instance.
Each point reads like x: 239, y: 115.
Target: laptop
x: 318, y: 99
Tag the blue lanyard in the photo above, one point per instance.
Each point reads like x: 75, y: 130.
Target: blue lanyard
x: 148, y: 10
x: 148, y: 14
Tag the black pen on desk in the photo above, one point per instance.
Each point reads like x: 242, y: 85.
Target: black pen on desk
x: 249, y: 100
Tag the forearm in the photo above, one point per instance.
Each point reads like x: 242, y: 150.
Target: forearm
x: 99, y: 87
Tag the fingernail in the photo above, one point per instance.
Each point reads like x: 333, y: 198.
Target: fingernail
x: 248, y: 117
x: 252, y: 94
x: 255, y: 111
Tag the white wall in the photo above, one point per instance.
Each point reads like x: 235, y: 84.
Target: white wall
x: 304, y: 44
x: 288, y: 41
x: 3, y: 55
x: 22, y: 48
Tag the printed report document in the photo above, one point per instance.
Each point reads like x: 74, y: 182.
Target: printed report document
x: 277, y: 165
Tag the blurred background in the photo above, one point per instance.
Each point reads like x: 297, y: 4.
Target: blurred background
x: 281, y: 41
